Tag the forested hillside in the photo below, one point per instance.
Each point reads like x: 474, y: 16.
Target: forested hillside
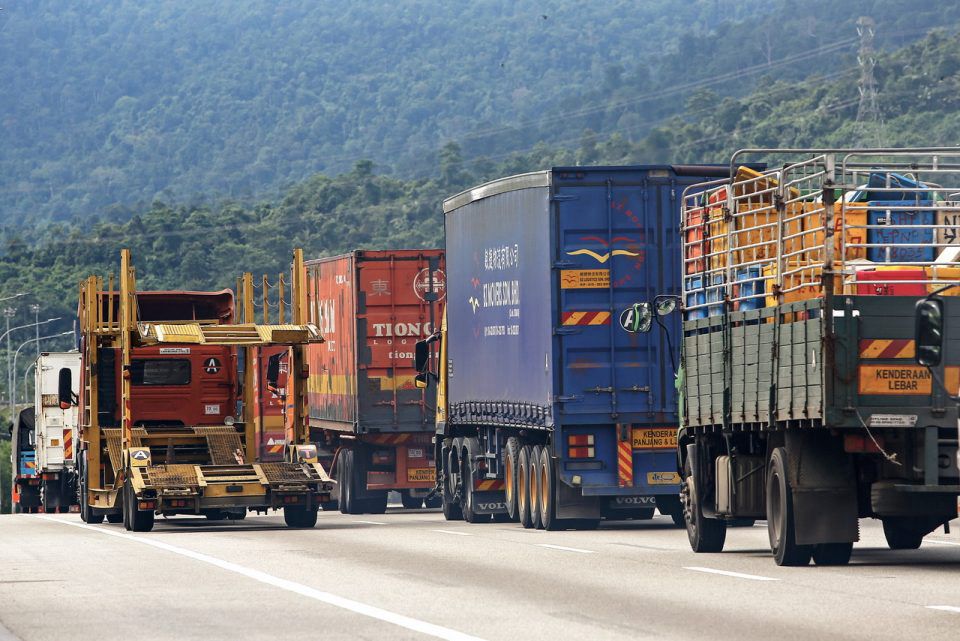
x: 108, y: 106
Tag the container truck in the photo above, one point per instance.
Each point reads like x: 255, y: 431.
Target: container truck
x: 548, y: 412
x: 43, y: 445
x: 366, y: 412
x: 166, y: 414
x: 801, y: 402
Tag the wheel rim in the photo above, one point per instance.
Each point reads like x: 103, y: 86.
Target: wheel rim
x: 775, y: 509
x: 508, y: 489
x: 522, y: 489
x: 689, y: 497
x: 543, y: 489
x: 466, y: 481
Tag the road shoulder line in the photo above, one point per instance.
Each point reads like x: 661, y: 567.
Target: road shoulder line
x: 357, y: 607
x: 735, y: 575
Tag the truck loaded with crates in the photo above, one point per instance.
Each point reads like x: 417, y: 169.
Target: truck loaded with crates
x: 548, y: 412
x: 367, y: 415
x: 801, y: 402
x: 44, y: 437
x: 166, y: 407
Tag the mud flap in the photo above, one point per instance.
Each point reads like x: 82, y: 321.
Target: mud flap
x: 489, y: 502
x: 571, y: 504
x: 824, y: 489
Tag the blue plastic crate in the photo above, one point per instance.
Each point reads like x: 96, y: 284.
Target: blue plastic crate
x: 899, y: 232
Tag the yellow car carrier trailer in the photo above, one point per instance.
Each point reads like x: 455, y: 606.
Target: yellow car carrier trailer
x: 166, y: 404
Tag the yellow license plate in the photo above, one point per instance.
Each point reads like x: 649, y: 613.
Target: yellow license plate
x: 663, y: 478
x: 655, y: 438
x: 421, y: 475
x: 892, y: 380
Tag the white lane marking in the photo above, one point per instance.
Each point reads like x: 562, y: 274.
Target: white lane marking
x: 736, y: 575
x: 372, y: 522
x: 455, y: 533
x: 564, y: 549
x: 941, y: 542
x: 357, y: 607
x: 944, y: 608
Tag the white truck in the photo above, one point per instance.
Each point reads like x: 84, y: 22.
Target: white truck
x: 46, y: 475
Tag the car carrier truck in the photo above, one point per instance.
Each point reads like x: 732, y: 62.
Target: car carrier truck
x: 801, y: 401
x: 44, y: 437
x: 366, y: 412
x: 548, y: 411
x: 166, y: 412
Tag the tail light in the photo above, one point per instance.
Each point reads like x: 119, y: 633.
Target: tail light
x: 857, y: 444
x: 580, y: 446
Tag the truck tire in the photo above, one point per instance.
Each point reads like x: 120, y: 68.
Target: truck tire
x: 350, y: 503
x: 116, y: 517
x: 780, y: 525
x: 467, y: 477
x: 832, y: 553
x: 87, y: 514
x: 330, y: 506
x: 139, y: 520
x: 343, y: 498
x: 523, y: 487
x: 451, y: 507
x: 374, y: 505
x: 548, y: 492
x: 433, y: 502
x: 300, y: 516
x: 534, y: 484
x: 670, y: 505
x: 410, y: 502
x: 705, y: 535
x: 511, y: 456
x: 901, y: 533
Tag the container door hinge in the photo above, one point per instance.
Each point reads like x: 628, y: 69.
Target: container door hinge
x: 635, y: 388
x: 600, y: 390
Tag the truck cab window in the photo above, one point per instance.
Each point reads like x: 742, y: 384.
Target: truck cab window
x: 160, y: 371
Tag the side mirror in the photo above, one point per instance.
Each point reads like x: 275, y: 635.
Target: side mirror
x: 929, y: 331
x: 665, y: 306
x: 273, y: 371
x: 637, y: 319
x: 65, y: 388
x: 421, y: 381
x: 421, y: 354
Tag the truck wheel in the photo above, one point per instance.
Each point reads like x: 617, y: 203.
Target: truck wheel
x: 330, y: 506
x: 140, y: 520
x: 901, y: 534
x: 467, y: 477
x: 832, y: 553
x: 523, y: 487
x: 86, y: 513
x: 780, y: 525
x: 534, y: 485
x: 375, y: 504
x: 350, y: 503
x: 451, y: 507
x: 670, y: 505
x: 705, y: 535
x: 215, y: 515
x: 511, y: 454
x: 116, y: 517
x: 410, y: 502
x: 548, y: 487
x: 433, y: 502
x: 343, y: 498
x: 300, y: 516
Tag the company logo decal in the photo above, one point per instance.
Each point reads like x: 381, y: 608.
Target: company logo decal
x: 603, y: 258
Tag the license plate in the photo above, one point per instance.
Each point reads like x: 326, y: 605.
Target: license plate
x: 421, y: 475
x: 663, y: 478
x: 655, y: 438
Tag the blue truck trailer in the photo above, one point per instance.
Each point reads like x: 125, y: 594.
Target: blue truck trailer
x: 548, y: 411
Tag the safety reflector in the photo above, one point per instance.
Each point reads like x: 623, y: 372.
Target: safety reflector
x: 581, y: 452
x: 575, y: 440
x: 855, y: 443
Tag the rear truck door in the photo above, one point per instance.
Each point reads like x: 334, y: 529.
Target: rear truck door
x: 617, y: 246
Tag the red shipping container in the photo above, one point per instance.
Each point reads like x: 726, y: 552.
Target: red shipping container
x: 878, y: 283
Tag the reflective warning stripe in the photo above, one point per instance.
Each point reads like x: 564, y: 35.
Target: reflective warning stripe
x: 625, y: 463
x: 887, y: 348
x: 67, y: 444
x: 489, y: 485
x: 275, y: 449
x: 388, y: 439
x: 586, y: 318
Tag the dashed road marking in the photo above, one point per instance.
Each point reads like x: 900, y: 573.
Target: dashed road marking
x: 372, y: 522
x: 941, y: 542
x: 736, y: 575
x: 454, y: 532
x: 564, y: 548
x: 944, y: 608
x: 423, y: 627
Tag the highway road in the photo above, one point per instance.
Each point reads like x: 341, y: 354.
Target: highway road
x: 412, y: 575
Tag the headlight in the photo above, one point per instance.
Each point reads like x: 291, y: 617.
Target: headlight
x: 229, y: 420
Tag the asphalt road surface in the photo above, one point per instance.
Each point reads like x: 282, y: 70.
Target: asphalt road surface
x: 412, y: 575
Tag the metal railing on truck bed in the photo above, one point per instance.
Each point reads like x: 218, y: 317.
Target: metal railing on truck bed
x: 872, y: 222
